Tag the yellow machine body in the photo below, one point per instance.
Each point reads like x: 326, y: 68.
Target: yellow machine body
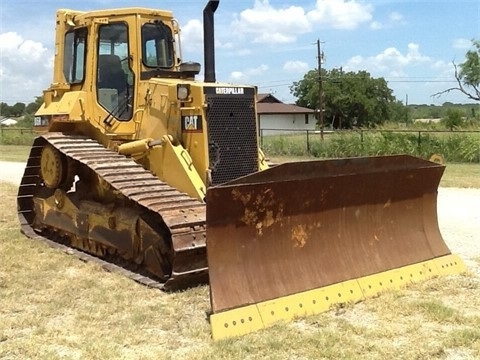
x: 138, y: 161
x: 131, y: 85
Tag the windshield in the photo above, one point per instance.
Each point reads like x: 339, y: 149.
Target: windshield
x: 114, y: 76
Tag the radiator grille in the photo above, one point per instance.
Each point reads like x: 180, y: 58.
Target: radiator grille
x: 232, y: 137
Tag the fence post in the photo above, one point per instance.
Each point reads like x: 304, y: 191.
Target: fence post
x: 308, y: 142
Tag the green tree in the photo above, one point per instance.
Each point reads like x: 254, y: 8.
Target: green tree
x: 31, y: 108
x: 34, y: 106
x: 467, y: 74
x: 453, y: 118
x: 350, y: 99
x: 18, y: 109
x: 5, y: 109
x: 306, y: 90
x: 400, y: 113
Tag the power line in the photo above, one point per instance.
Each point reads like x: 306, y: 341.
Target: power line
x: 386, y: 79
x: 421, y: 81
x: 320, y: 57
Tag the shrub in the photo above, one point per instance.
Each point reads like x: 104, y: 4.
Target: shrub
x: 454, y: 146
x: 453, y: 119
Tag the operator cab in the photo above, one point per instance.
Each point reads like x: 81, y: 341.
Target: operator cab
x: 119, y: 61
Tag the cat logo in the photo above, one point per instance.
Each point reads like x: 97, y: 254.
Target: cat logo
x: 192, y: 123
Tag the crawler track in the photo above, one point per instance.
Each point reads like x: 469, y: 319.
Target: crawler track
x: 180, y: 216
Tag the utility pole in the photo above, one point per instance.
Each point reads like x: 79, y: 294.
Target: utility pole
x: 320, y: 88
x: 406, y: 108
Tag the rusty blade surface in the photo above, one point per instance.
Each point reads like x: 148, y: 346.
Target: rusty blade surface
x: 300, y: 226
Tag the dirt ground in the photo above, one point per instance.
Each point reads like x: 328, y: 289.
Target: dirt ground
x: 459, y: 222
x: 458, y: 215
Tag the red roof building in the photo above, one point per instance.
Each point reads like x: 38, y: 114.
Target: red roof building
x: 276, y: 117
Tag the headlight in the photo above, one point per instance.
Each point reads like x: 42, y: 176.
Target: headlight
x: 183, y: 91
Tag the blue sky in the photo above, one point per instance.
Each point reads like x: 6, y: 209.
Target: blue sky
x: 272, y: 43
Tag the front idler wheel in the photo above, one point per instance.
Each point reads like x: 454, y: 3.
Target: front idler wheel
x: 54, y: 169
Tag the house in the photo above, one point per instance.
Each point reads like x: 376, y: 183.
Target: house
x: 7, y: 121
x: 276, y: 117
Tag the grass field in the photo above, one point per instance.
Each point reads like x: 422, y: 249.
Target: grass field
x: 57, y: 307
x: 14, y: 152
x: 54, y: 306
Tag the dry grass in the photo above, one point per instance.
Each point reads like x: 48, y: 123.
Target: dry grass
x: 55, y: 307
x: 461, y: 175
x: 14, y: 152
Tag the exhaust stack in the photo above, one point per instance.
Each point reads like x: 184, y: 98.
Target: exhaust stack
x: 209, y: 40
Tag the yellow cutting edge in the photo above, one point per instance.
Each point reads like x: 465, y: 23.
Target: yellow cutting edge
x: 250, y: 318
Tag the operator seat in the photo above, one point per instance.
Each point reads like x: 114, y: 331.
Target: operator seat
x: 111, y: 74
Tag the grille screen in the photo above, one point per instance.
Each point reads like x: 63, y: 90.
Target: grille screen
x: 232, y: 137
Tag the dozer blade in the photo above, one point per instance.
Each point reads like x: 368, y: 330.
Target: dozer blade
x: 348, y: 228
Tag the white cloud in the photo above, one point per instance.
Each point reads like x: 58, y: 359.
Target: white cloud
x: 237, y: 76
x: 25, y: 68
x: 243, y: 52
x: 192, y: 42
x: 296, y: 66
x: 269, y: 25
x: 409, y: 72
x: 376, y: 25
x: 462, y: 43
x: 192, y: 36
x: 265, y: 24
x: 340, y: 14
x: 13, y: 46
x: 354, y: 63
x: 394, y: 18
x: 247, y: 75
x: 391, y: 62
x: 440, y: 65
x: 258, y: 70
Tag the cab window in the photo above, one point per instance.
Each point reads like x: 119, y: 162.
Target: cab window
x: 157, y: 45
x: 74, y: 56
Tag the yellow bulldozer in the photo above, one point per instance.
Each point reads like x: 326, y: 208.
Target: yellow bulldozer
x: 143, y: 168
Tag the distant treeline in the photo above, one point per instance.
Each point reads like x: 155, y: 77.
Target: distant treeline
x: 20, y: 109
x: 423, y: 111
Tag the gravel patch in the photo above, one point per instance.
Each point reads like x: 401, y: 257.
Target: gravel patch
x: 11, y: 172
x: 459, y: 222
x: 458, y: 215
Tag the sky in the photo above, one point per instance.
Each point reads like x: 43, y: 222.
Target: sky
x: 273, y: 43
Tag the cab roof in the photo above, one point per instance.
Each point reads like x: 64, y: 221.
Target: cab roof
x: 116, y: 12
